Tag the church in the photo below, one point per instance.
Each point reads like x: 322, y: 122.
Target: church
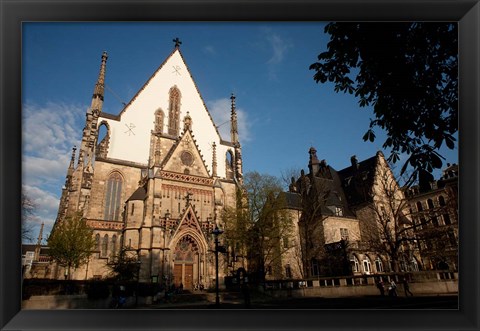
x: 154, y: 178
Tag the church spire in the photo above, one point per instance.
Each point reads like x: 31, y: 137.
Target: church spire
x: 90, y: 131
x: 39, y: 243
x: 98, y: 92
x: 233, y: 119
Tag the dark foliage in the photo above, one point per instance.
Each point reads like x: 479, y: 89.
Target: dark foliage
x: 71, y: 242
x: 97, y: 290
x: 408, y: 73
x: 124, y: 266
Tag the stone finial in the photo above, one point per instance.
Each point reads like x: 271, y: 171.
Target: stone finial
x: 233, y: 119
x: 214, y: 160
x: 187, y: 122
x: 72, y: 159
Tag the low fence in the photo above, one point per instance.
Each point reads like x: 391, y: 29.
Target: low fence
x: 90, y: 294
x: 421, y: 283
x: 51, y: 294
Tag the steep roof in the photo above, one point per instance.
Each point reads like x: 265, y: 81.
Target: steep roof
x: 329, y: 181
x: 293, y: 200
x: 357, y: 181
x: 139, y: 194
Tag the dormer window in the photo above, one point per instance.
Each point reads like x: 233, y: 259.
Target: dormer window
x: 338, y: 211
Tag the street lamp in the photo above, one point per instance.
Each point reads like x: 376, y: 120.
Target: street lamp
x: 216, y: 232
x: 138, y: 263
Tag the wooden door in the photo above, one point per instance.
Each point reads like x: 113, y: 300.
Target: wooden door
x: 188, y: 280
x: 177, y: 274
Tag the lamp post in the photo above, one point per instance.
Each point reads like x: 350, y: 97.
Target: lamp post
x: 138, y: 263
x: 216, y: 232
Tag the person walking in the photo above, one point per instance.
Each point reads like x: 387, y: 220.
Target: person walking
x: 406, y: 287
x: 381, y: 287
x: 392, y: 289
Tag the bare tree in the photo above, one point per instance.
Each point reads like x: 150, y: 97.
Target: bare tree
x: 435, y: 228
x: 28, y: 212
x: 390, y: 231
x: 313, y: 198
x: 260, y: 229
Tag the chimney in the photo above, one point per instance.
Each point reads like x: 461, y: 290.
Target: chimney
x: 354, y: 161
x: 313, y: 163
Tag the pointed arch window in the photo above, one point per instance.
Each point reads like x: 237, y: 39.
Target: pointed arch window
x: 159, y: 117
x: 114, y: 245
x: 229, y: 164
x: 104, y: 140
x: 105, y: 245
x: 174, y: 111
x: 112, y: 197
x: 97, y: 242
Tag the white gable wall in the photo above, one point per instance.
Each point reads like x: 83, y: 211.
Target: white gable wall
x: 140, y: 113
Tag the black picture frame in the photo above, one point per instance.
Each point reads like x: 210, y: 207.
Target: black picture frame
x: 467, y: 13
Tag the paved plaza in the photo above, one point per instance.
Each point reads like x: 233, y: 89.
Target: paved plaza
x: 235, y: 301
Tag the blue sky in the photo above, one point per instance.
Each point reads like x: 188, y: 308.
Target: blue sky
x: 282, y: 111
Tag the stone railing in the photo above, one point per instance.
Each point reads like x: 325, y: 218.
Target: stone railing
x: 422, y: 282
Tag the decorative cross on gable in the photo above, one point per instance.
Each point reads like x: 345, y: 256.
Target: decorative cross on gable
x: 177, y: 42
x: 186, y: 142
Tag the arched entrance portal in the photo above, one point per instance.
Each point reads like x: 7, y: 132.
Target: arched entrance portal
x: 187, y: 266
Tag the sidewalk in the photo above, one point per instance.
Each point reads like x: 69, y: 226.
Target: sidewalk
x: 201, y: 300
x: 368, y: 302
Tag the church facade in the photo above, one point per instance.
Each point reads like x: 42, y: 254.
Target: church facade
x: 153, y: 179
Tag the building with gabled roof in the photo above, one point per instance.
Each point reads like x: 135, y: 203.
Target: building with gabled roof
x: 434, y: 211
x: 340, y: 214
x: 153, y: 178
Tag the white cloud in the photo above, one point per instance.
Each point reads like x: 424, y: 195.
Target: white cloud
x: 51, y: 128
x: 46, y: 203
x: 38, y: 170
x: 46, y: 207
x: 49, y: 132
x: 279, y: 47
x: 220, y: 110
x: 209, y: 50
